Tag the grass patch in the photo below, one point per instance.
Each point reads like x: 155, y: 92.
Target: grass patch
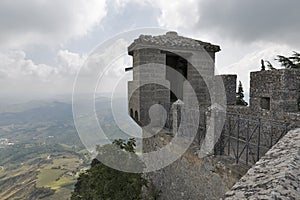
x: 53, y: 175
x: 48, y: 176
x: 67, y: 163
x: 62, y: 182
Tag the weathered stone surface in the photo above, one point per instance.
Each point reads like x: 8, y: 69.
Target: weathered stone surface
x: 172, y: 40
x: 274, y: 176
x: 191, y: 177
x: 229, y: 82
x: 162, y: 60
x: 282, y: 86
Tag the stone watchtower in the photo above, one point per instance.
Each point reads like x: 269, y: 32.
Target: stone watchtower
x: 275, y: 91
x: 177, y: 73
x: 154, y: 83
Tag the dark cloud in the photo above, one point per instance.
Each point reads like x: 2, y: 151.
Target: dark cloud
x: 256, y: 20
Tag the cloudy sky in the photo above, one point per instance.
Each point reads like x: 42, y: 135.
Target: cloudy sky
x: 45, y: 42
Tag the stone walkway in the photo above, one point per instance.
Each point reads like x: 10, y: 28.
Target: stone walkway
x: 274, y: 176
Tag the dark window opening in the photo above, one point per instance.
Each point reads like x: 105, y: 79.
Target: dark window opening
x: 136, y: 115
x: 298, y: 101
x: 265, y: 103
x: 176, y: 76
x: 131, y: 113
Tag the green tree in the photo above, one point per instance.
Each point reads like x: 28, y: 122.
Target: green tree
x: 240, y: 96
x: 263, y: 67
x: 103, y: 182
x: 129, y: 146
x: 269, y: 65
x: 292, y: 62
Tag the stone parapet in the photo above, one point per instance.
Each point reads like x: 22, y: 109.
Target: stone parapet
x: 274, y: 176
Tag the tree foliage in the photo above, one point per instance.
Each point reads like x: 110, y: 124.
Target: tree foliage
x: 129, y: 146
x: 269, y: 65
x: 292, y: 62
x: 240, y: 96
x: 103, y: 182
x: 263, y: 67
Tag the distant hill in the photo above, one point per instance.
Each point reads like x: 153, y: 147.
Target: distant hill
x: 43, y: 110
x: 60, y: 113
x: 47, y: 150
x: 54, y: 111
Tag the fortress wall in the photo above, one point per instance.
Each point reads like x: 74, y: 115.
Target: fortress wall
x: 262, y: 127
x: 292, y: 118
x: 274, y: 176
x: 281, y: 87
x: 229, y: 82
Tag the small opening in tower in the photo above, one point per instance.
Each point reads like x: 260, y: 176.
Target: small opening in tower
x: 176, y: 73
x: 131, y: 112
x: 265, y: 103
x: 298, y: 101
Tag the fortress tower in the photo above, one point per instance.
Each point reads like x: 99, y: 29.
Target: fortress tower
x: 163, y: 66
x: 275, y: 91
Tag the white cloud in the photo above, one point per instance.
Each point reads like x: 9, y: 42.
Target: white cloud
x: 22, y: 76
x: 15, y: 65
x: 19, y: 74
x: 177, y: 14
x: 69, y: 62
x: 173, y: 14
x: 26, y: 22
x: 105, y: 66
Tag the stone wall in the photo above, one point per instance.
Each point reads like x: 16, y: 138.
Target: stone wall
x: 229, y: 82
x: 246, y: 126
x: 274, y: 176
x: 149, y: 86
x: 280, y: 87
x: 292, y: 118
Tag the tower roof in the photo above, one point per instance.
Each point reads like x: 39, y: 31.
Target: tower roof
x: 171, y: 40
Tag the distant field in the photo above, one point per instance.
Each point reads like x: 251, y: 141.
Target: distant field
x: 48, y: 154
x: 58, y: 174
x: 42, y: 175
x: 48, y: 176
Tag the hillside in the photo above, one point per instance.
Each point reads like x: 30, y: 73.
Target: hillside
x: 41, y: 154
